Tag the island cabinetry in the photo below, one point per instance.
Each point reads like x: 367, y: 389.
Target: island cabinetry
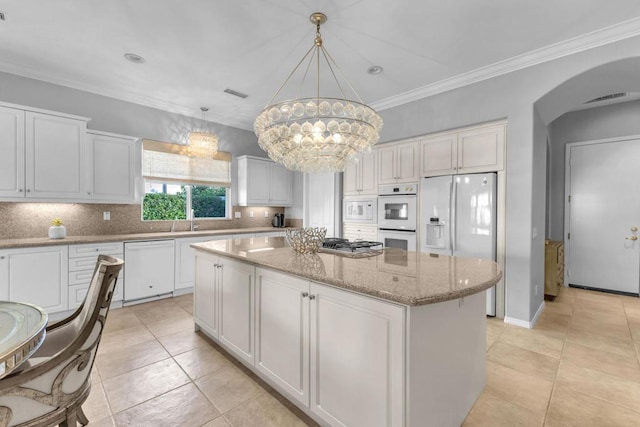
x: 35, y: 275
x: 469, y: 150
x: 224, y: 303
x: 361, y: 175
x: 323, y: 347
x: 262, y: 182
x: 185, y: 261
x: 82, y: 262
x: 398, y: 163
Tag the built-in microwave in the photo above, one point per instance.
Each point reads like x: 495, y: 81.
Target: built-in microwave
x: 358, y: 209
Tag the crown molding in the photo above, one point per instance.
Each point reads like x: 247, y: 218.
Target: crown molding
x: 131, y: 97
x: 604, y: 36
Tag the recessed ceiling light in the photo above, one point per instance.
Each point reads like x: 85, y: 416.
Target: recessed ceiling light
x: 137, y: 59
x: 374, y: 69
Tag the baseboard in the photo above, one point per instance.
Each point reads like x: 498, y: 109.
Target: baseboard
x: 524, y: 323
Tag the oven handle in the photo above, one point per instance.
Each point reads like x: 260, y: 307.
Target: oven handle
x: 397, y: 229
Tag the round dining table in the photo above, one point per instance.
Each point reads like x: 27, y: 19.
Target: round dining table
x: 22, y: 331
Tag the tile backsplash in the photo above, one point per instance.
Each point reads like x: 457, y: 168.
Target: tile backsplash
x: 25, y: 220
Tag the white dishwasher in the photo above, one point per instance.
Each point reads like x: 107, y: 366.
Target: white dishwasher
x: 150, y: 269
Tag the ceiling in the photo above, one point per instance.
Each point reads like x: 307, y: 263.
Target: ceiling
x: 196, y: 49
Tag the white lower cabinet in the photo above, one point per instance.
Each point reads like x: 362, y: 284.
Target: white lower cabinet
x: 185, y: 256
x: 82, y: 262
x: 338, y: 353
x: 224, y: 302
x: 35, y: 275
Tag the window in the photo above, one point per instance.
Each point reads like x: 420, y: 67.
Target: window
x: 178, y: 186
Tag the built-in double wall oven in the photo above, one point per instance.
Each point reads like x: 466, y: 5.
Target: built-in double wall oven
x: 397, y: 216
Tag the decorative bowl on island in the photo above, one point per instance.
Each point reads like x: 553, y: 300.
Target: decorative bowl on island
x: 305, y: 240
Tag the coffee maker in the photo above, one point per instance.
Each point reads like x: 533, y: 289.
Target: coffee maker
x: 278, y: 220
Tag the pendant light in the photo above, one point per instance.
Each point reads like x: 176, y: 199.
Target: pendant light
x: 203, y: 144
x: 317, y: 133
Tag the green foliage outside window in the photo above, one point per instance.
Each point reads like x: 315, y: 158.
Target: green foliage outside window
x: 164, y: 206
x: 206, y: 202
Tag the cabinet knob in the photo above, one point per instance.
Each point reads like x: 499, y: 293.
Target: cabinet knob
x: 89, y: 192
x: 2, y: 257
x: 312, y: 297
x: 28, y: 191
x: 21, y: 190
x: 304, y: 294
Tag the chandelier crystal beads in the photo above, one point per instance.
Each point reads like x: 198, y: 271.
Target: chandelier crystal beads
x: 203, y: 144
x: 316, y: 133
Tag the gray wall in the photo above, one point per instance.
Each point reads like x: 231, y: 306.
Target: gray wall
x: 515, y: 96
x: 585, y: 125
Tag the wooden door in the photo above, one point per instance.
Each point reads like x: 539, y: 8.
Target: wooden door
x: 356, y: 350
x: 282, y: 332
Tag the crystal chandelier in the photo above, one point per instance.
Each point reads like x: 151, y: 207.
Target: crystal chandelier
x: 316, y: 133
x: 203, y: 144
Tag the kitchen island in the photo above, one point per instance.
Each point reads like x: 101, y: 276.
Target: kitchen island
x: 397, y: 339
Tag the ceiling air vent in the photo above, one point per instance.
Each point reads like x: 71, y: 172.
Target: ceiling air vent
x: 236, y: 93
x: 607, y: 97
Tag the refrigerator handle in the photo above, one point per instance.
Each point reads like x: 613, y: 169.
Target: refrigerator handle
x: 454, y: 220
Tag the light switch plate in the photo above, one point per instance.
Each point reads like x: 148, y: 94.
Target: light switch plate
x: 250, y: 214
x: 106, y: 216
x: 238, y: 214
x: 266, y: 214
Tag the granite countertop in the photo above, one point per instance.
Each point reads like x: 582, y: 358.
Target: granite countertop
x: 103, y: 238
x: 409, y: 278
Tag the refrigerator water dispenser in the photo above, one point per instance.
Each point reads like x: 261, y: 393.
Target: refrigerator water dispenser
x: 435, y: 235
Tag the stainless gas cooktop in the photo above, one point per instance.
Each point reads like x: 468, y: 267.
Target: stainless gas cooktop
x: 356, y: 249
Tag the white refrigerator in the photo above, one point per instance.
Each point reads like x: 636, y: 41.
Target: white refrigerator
x: 458, y: 217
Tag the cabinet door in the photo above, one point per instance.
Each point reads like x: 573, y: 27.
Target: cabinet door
x: 55, y: 156
x: 351, y: 178
x: 438, y: 155
x: 4, y: 275
x: 364, y: 360
x: 39, y: 276
x: 281, y: 186
x: 282, y: 332
x: 258, y: 182
x: 237, y: 307
x: 185, y: 260
x: 11, y: 152
x: 387, y: 158
x: 369, y: 173
x: 111, y: 168
x: 407, y: 162
x: 481, y: 150
x: 205, y: 295
x: 319, y: 201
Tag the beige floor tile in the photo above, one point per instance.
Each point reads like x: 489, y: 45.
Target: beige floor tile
x: 96, y: 406
x: 186, y: 302
x: 202, y: 361
x: 170, y: 326
x: 521, y: 389
x: 95, y: 374
x: 132, y: 388
x: 577, y: 409
x: 158, y: 310
x: 559, y: 307
x: 491, y: 411
x: 634, y: 327
x: 601, y: 385
x: 184, y: 406
x: 603, y: 326
x: 494, y: 330
x: 633, y: 313
x: 614, y: 345
x: 522, y: 360
x: 105, y: 422
x: 554, y: 323
x: 263, y: 410
x: 124, y: 338
x: 117, y: 362
x: 121, y: 318
x: 182, y: 341
x: 621, y: 366
x: 597, y: 296
x: 218, y: 422
x: 537, y: 340
x: 552, y: 422
x: 228, y: 388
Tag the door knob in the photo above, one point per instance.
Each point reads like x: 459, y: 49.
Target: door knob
x: 634, y: 229
x: 631, y: 238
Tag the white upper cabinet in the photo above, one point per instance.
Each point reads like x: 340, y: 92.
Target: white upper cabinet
x: 361, y: 175
x: 398, y: 163
x: 43, y: 155
x: 262, y: 182
x: 12, y: 152
x: 55, y: 156
x: 470, y: 150
x: 110, y: 167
